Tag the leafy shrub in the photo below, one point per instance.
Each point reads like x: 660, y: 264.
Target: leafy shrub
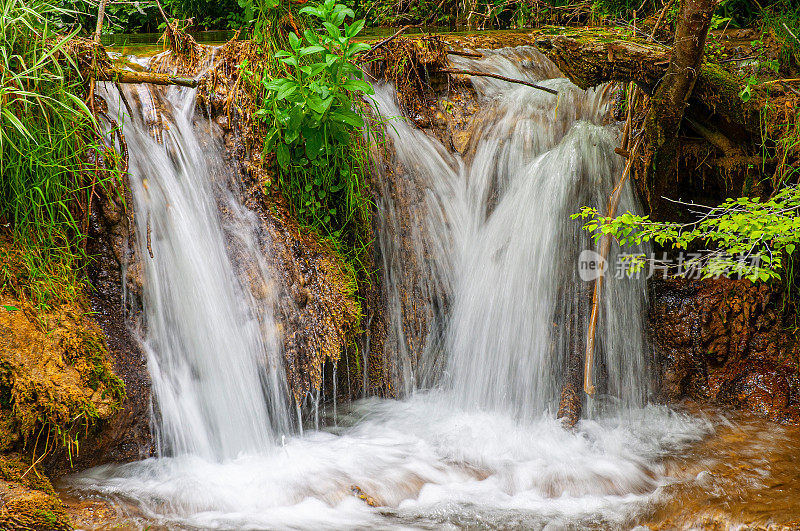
x: 314, y: 130
x: 737, y: 231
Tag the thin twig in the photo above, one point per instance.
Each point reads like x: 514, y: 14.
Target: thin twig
x: 498, y: 76
x: 149, y: 244
x: 384, y: 41
x: 792, y: 80
x: 161, y: 9
x: 475, y: 55
x: 605, y: 247
x: 791, y: 32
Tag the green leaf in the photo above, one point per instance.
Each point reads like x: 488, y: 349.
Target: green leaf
x: 311, y: 10
x: 282, y: 154
x: 340, y: 133
x: 291, y: 61
x: 358, y: 47
x: 10, y: 308
x: 293, y: 124
x: 348, y: 117
x: 333, y: 31
x: 275, y: 84
x: 287, y: 89
x: 315, y: 142
x: 294, y: 41
x: 269, y: 140
x: 358, y: 85
x: 354, y: 29
x: 320, y: 105
x: 308, y: 50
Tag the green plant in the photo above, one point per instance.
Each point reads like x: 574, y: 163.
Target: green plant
x: 313, y: 109
x: 746, y: 93
x: 783, y: 22
x: 738, y: 231
x: 314, y: 131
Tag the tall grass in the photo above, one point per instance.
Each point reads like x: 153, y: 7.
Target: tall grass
x: 50, y: 155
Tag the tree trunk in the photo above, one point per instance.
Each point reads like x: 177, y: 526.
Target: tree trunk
x: 671, y: 96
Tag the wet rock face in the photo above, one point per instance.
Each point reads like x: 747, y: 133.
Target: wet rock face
x: 126, y: 436
x: 725, y: 341
x: 65, y: 370
x: 316, y: 312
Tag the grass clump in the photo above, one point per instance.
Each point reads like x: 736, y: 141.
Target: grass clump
x: 53, y: 161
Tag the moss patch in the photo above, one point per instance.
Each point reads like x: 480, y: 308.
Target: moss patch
x: 56, y: 380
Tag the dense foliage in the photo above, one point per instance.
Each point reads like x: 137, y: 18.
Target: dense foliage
x: 308, y: 93
x: 144, y: 16
x: 311, y: 119
x: 744, y: 237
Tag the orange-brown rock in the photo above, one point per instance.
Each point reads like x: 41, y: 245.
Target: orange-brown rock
x: 725, y: 341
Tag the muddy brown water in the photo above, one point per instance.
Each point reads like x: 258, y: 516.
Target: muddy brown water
x: 746, y: 475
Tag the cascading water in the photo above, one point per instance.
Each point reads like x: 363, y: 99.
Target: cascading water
x: 491, y: 255
x: 504, y: 249
x: 212, y: 351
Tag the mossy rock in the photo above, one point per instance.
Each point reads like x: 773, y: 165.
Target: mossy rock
x: 14, y: 470
x: 27, y: 498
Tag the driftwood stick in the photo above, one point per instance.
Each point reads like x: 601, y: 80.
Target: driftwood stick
x: 124, y: 99
x: 605, y: 247
x: 101, y: 12
x: 475, y: 55
x: 389, y: 39
x: 498, y: 76
x: 161, y: 9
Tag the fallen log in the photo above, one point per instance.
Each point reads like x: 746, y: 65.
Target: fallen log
x: 129, y: 76
x: 589, y: 59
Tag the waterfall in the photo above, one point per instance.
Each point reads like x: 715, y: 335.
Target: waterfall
x: 212, y: 349
x: 484, y: 304
x: 494, y: 239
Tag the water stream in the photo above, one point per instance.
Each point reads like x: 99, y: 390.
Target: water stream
x: 473, y: 442
x: 494, y: 240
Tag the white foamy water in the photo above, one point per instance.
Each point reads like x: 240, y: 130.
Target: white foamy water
x: 493, y: 241
x: 474, y: 442
x: 427, y: 465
